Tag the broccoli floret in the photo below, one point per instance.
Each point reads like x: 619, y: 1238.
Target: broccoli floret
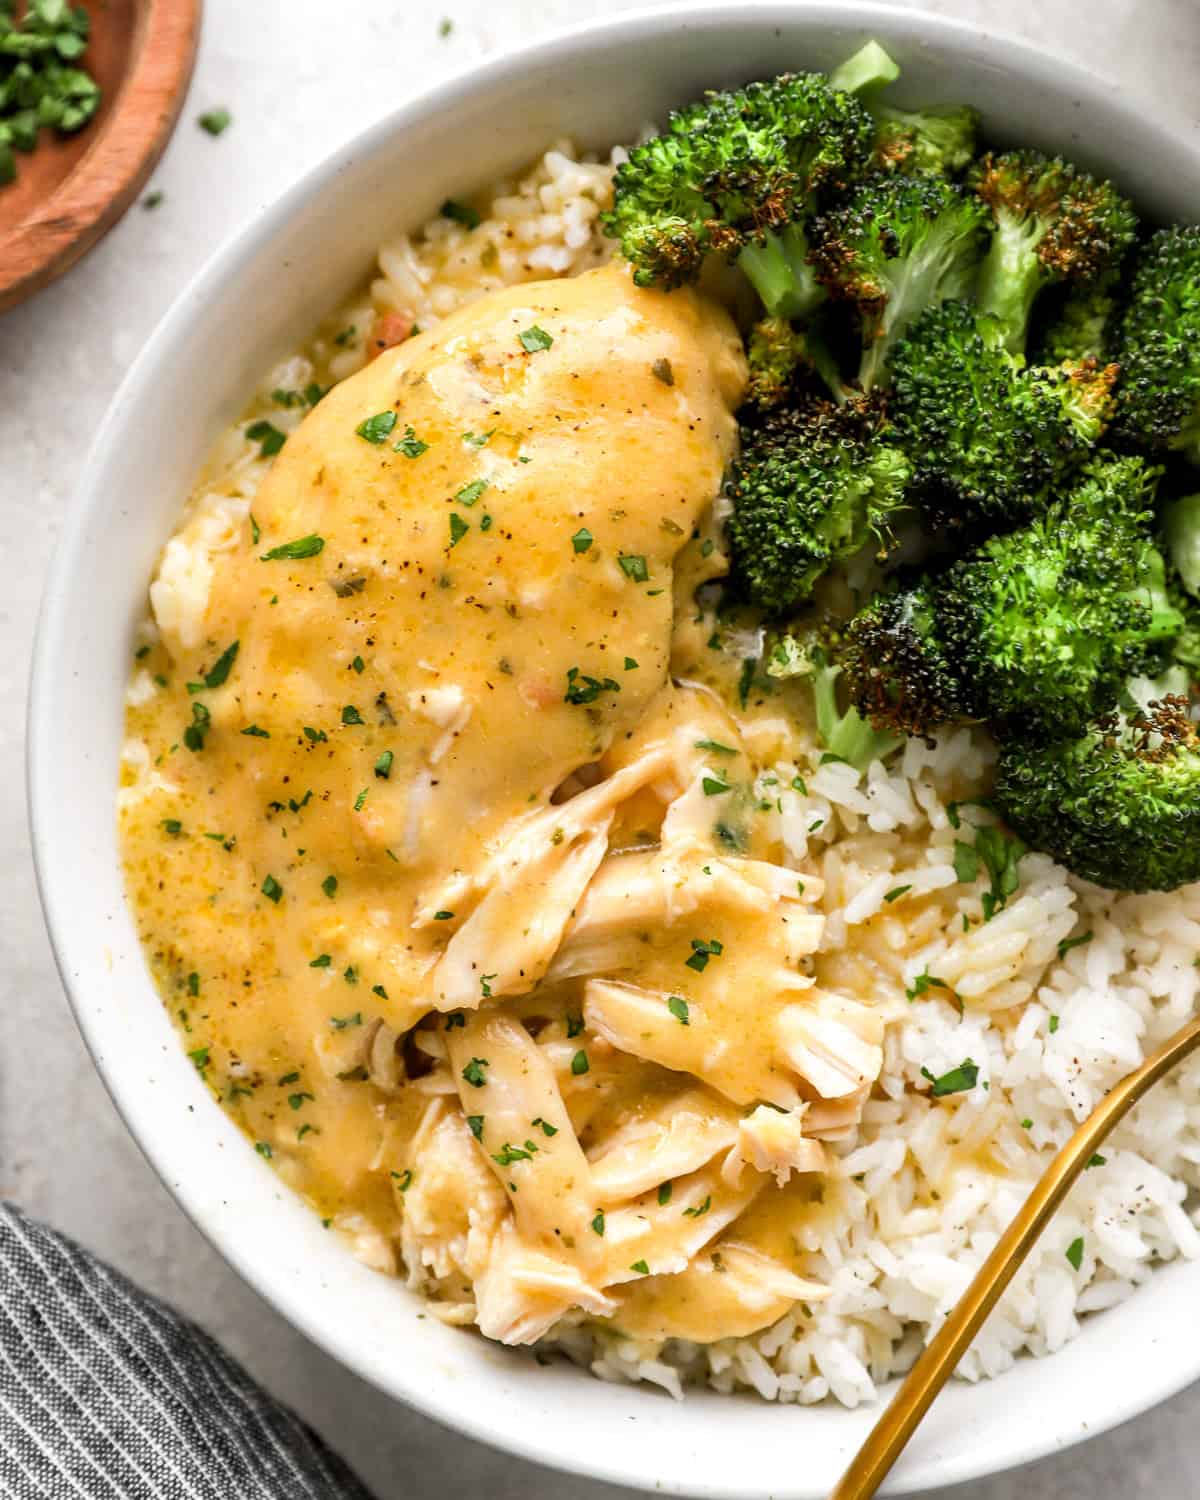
x: 934, y: 139
x: 1159, y: 348
x: 1084, y: 326
x: 1045, y: 624
x: 897, y: 670
x: 1051, y: 223
x: 1034, y: 631
x: 989, y: 440
x: 736, y: 175
x: 812, y: 484
x: 895, y: 247
x: 814, y: 652
x: 1119, y: 805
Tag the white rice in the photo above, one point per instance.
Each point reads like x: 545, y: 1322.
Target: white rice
x: 921, y: 1195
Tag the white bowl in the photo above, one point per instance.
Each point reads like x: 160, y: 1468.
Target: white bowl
x: 255, y: 299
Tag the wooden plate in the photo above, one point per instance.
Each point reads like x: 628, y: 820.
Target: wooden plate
x: 72, y: 189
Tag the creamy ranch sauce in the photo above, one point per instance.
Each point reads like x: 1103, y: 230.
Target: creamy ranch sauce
x: 448, y: 781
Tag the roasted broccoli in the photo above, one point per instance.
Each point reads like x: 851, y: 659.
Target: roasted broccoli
x: 1047, y: 622
x: 990, y: 441
x: 897, y: 670
x: 1159, y: 348
x: 813, y: 483
x: 1085, y: 324
x: 1034, y: 631
x: 814, y: 651
x: 736, y: 175
x: 780, y: 355
x: 1119, y: 805
x: 894, y: 247
x: 937, y: 139
x: 1051, y: 223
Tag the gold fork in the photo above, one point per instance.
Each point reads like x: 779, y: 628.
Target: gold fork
x: 887, y: 1439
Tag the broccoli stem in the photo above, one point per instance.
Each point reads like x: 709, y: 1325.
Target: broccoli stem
x: 848, y: 736
x: 1010, y: 278
x: 779, y: 271
x: 869, y: 68
x: 1181, y: 524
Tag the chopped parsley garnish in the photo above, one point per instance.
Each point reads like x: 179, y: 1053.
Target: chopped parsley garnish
x: 545, y: 1126
x: 715, y: 786
x: 966, y: 862
x: 340, y: 1023
x: 534, y: 339
x: 702, y: 951
x: 1053, y: 1027
x: 345, y: 337
x: 957, y: 1081
x: 383, y: 766
x: 193, y: 984
x: 471, y: 492
x: 222, y: 667
x: 377, y: 428
x: 509, y: 1154
x: 700, y: 1210
x: 199, y: 1057
x: 264, y: 1149
x: 474, y: 1073
x: 1027, y: 1124
x: 329, y: 886
x: 598, y: 1223
x: 574, y: 1026
x: 256, y: 733
x: 443, y: 916
x: 678, y: 1007
x: 350, y: 975
x: 479, y: 439
x: 715, y: 746
x: 633, y: 565
x: 476, y: 1124
x: 410, y: 445
x: 746, y: 680
x: 664, y: 1193
x: 923, y: 982
x: 304, y: 546
x: 361, y: 799
x: 322, y: 961
x: 640, y: 1267
x: 403, y: 1180
x: 268, y: 437
x: 1096, y: 1161
x: 297, y: 1100
x: 579, y: 1063
x: 485, y: 985
x: 359, y: 665
x: 195, y: 733
x: 458, y: 529
x: 630, y: 664
x: 661, y: 370
x: 584, y: 689
x: 152, y: 200
x: 1074, y: 1252
x: 582, y: 539
x: 1067, y: 944
x: 460, y: 213
x: 272, y: 890
x: 317, y: 736
x: 378, y: 989
x: 215, y: 121
x: 172, y: 826
x: 351, y: 715
x: 896, y: 892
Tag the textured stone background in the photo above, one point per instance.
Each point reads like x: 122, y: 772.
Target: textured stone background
x: 299, y: 76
